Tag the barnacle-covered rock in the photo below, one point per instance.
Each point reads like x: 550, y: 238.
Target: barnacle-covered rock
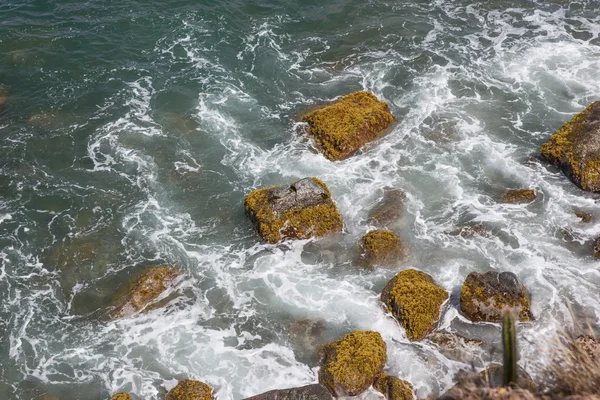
x: 309, y: 392
x: 351, y: 364
x: 299, y: 211
x: 575, y: 148
x: 389, y: 209
x: 188, y: 389
x: 484, y: 297
x: 342, y: 128
x: 381, y: 247
x: 518, y: 196
x: 394, y: 388
x: 415, y: 301
x: 141, y: 295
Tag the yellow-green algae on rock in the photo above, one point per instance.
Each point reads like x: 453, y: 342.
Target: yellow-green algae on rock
x: 351, y: 364
x: 121, y: 396
x: 299, y: 211
x: 575, y: 148
x: 142, y: 293
x: 415, y: 301
x: 342, y: 128
x: 381, y: 247
x: 394, y: 388
x: 518, y: 196
x: 188, y: 389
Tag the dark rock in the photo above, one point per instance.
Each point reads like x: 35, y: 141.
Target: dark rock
x: 306, y: 336
x: 188, y: 389
x: 589, y: 345
x: 585, y: 217
x: 299, y: 211
x: 518, y: 196
x: 596, y: 247
x: 389, y: 209
x: 381, y: 247
x: 351, y: 364
x: 3, y: 95
x: 484, y: 297
x: 415, y: 301
x: 394, y: 388
x: 469, y: 231
x: 344, y: 127
x: 493, y: 377
x: 309, y: 392
x: 474, y: 386
x: 575, y: 148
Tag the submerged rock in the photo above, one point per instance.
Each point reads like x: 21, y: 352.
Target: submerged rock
x: 469, y: 231
x: 188, y: 389
x: 389, y: 209
x: 306, y: 336
x: 351, y: 364
x: 596, y: 247
x: 381, y: 247
x: 3, y: 95
x: 121, y: 396
x: 309, y: 392
x: 394, y: 388
x: 299, y: 211
x: 518, y: 196
x: 344, y: 127
x: 415, y: 301
x: 142, y: 294
x: 484, y: 297
x: 457, y: 347
x: 575, y: 148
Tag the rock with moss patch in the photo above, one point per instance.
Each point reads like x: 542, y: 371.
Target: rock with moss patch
x: 389, y: 209
x: 121, y: 396
x: 415, y: 301
x: 351, y: 364
x: 309, y: 392
x: 141, y: 296
x: 344, y: 127
x: 299, y: 211
x: 188, y: 389
x: 575, y: 148
x: 484, y: 297
x: 381, y: 247
x: 518, y: 196
x: 394, y: 388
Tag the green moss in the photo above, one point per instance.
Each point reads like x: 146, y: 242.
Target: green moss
x: 343, y: 127
x: 515, y: 196
x: 381, y: 246
x: 560, y: 149
x: 121, y: 396
x: 188, y: 389
x: 478, y: 305
x: 352, y: 363
x: 299, y: 223
x: 394, y: 388
x: 415, y: 300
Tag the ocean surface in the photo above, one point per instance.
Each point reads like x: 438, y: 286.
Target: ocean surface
x: 133, y: 131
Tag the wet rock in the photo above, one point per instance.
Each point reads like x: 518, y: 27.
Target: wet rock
x: 381, y: 247
x: 596, y: 247
x: 344, y: 127
x: 478, y: 386
x: 389, y: 209
x: 351, y: 364
x: 575, y: 148
x: 3, y: 95
x: 121, y: 396
x: 188, y: 389
x: 142, y: 294
x: 493, y: 377
x: 518, y: 196
x: 394, y: 388
x: 415, y: 301
x: 469, y: 231
x: 306, y: 336
x: 309, y: 392
x: 484, y: 297
x: 299, y: 211
x: 590, y: 345
x: 457, y: 347
x: 585, y: 217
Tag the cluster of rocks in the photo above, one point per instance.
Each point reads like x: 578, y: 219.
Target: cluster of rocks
x: 305, y: 208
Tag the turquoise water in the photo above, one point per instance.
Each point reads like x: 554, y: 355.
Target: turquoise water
x: 132, y: 133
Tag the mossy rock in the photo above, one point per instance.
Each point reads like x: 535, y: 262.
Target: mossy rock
x: 143, y: 292
x: 309, y: 392
x: 575, y: 148
x: 596, y: 248
x: 415, y: 301
x: 344, y: 127
x: 518, y: 196
x: 299, y: 211
x: 351, y: 364
x: 121, y: 396
x: 381, y: 247
x: 188, y: 389
x: 389, y: 209
x: 394, y: 388
x: 485, y: 297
